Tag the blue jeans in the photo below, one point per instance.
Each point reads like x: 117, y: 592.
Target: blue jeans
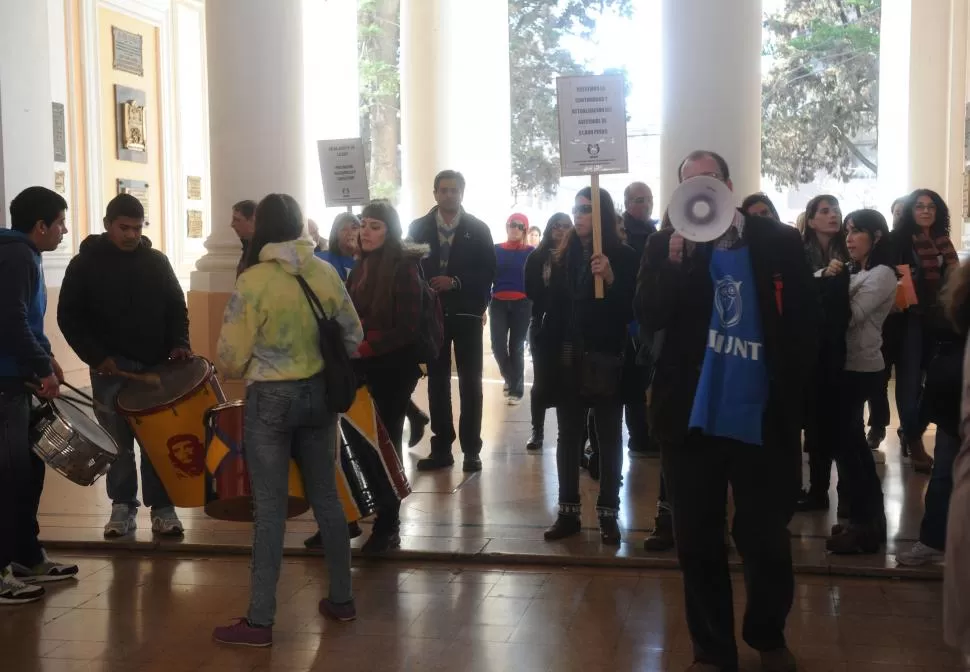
x: 21, y: 483
x: 932, y: 530
x: 509, y: 324
x: 283, y: 420
x: 122, y: 478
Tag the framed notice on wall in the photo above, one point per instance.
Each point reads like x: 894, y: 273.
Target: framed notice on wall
x: 592, y: 125
x: 127, y: 51
x: 344, y: 172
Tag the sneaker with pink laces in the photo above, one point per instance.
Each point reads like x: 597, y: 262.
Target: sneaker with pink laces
x: 241, y: 633
x: 338, y: 612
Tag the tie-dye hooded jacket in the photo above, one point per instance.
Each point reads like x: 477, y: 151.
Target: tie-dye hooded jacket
x: 268, y: 330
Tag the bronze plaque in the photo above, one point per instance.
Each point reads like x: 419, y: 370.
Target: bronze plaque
x: 137, y: 189
x: 127, y: 51
x: 132, y: 130
x: 59, y: 182
x: 60, y: 132
x: 195, y: 188
x: 193, y: 223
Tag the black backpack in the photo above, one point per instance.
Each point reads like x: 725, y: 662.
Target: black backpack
x: 338, y: 372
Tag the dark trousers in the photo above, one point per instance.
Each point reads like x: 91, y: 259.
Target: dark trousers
x: 764, y: 482
x: 508, y: 323
x: 932, y: 530
x: 21, y: 483
x: 916, y: 349
x: 465, y: 332
x: 537, y: 404
x: 879, y: 414
x: 391, y: 391
x: 822, y: 435
x: 857, y: 468
x: 572, y: 418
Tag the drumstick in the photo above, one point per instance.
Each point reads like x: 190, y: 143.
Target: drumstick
x: 80, y: 393
x: 149, y: 378
x: 85, y: 401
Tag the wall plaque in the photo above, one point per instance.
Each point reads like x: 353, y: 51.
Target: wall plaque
x: 193, y: 223
x: 127, y: 50
x: 132, y: 131
x: 137, y: 189
x: 195, y: 188
x: 60, y: 132
x: 59, y: 182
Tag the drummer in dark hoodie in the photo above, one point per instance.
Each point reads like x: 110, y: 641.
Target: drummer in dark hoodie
x: 36, y: 226
x: 122, y: 309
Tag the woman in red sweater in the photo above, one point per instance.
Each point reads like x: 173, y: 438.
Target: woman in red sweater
x: 509, y: 310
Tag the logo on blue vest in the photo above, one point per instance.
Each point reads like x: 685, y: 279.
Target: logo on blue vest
x: 727, y: 301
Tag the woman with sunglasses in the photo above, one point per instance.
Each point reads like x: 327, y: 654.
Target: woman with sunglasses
x: 922, y: 242
x: 581, y: 343
x: 538, y: 270
x: 509, y: 309
x: 270, y: 338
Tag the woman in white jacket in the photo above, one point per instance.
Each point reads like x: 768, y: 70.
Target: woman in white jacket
x: 872, y: 290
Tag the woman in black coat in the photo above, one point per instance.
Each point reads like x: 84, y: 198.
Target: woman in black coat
x: 581, y: 343
x: 538, y: 271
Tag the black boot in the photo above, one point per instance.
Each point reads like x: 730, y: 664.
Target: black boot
x: 813, y: 500
x: 610, y: 530
x: 566, y: 525
x: 436, y: 461
x: 875, y: 437
x: 386, y: 534
x: 661, y: 539
x: 417, y: 421
x: 535, y: 443
x: 353, y: 530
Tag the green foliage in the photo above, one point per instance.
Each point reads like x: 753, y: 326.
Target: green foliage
x: 821, y: 98
x: 537, y: 57
x: 378, y: 41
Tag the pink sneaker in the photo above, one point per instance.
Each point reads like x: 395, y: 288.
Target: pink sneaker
x: 241, y: 633
x: 338, y: 612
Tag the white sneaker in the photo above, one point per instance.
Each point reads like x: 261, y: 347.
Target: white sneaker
x: 505, y: 390
x: 48, y: 570
x: 166, y: 523
x: 920, y: 554
x: 15, y: 591
x: 514, y: 401
x: 122, y: 521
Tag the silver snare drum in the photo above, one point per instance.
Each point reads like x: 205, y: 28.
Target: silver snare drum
x: 70, y: 442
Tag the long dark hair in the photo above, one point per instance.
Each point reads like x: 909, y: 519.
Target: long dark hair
x: 754, y: 199
x: 611, y: 238
x: 547, y: 243
x: 871, y: 222
x: 278, y: 220
x: 837, y: 248
x: 371, y: 281
x: 941, y: 225
x: 339, y: 222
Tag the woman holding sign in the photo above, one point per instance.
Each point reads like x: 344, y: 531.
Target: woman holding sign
x: 580, y: 358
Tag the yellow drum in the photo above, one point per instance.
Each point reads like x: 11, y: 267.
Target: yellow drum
x: 166, y: 409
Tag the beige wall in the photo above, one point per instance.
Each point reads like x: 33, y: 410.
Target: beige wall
x: 113, y: 169
x: 75, y: 371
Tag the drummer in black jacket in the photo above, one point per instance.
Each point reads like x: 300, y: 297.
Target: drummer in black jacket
x: 36, y: 226
x: 460, y: 267
x: 122, y: 309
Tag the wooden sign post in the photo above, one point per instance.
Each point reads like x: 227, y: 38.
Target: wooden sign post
x: 592, y: 138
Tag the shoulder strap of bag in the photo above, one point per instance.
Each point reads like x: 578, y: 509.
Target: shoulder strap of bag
x: 312, y: 299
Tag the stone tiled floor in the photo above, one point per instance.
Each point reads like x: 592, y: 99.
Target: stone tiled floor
x: 500, y: 514
x: 137, y: 613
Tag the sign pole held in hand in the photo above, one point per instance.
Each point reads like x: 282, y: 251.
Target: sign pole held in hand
x: 592, y: 138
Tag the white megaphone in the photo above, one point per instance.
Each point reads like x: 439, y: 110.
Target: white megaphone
x: 701, y: 209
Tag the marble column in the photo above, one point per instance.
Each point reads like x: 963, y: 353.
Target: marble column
x: 455, y: 104
x: 922, y: 98
x: 26, y: 140
x: 711, y: 94
x: 254, y: 54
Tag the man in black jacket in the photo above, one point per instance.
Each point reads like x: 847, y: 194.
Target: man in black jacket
x: 460, y: 267
x: 755, y: 326
x: 121, y: 308
x: 37, y: 226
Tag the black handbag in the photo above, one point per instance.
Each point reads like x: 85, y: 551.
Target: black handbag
x: 338, y: 370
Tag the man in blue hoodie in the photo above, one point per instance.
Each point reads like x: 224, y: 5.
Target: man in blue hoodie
x: 37, y: 225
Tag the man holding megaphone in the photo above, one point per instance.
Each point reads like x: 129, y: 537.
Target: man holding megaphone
x: 732, y: 295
